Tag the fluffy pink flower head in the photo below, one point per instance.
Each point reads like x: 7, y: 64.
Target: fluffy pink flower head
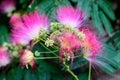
x: 7, y: 6
x: 91, y: 45
x: 16, y: 21
x: 27, y: 27
x: 69, y: 42
x: 70, y: 16
x: 27, y: 57
x: 4, y: 57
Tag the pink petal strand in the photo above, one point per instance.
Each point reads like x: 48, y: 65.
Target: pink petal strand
x: 70, y: 16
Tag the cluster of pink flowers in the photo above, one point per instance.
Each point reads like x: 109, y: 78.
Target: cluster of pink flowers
x: 4, y: 57
x: 28, y: 28
x: 7, y: 6
x: 69, y: 42
x: 73, y: 17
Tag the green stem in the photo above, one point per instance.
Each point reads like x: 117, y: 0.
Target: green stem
x: 46, y: 57
x: 48, y: 49
x: 55, y: 47
x: 68, y: 69
x: 89, y: 75
x: 52, y: 57
x: 77, y: 56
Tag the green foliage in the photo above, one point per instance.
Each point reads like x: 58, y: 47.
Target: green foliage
x: 101, y: 13
x: 106, y: 60
x: 97, y: 20
x: 104, y: 5
x: 4, y: 34
x: 79, y: 62
x: 115, y: 39
x: 106, y: 23
x: 49, y: 7
x: 83, y: 76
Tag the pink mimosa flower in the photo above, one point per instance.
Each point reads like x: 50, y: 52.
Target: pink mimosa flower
x: 69, y: 42
x: 7, y: 6
x: 70, y: 16
x: 91, y: 45
x: 16, y: 21
x: 4, y: 57
x: 27, y: 27
x: 27, y: 57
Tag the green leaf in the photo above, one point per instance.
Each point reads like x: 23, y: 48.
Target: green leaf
x: 63, y: 3
x: 29, y: 75
x: 81, y: 4
x: 49, y: 7
x: 2, y: 76
x: 117, y: 42
x: 106, y: 60
x: 83, y: 76
x: 106, y: 23
x: 18, y: 73
x: 114, y: 37
x: 106, y: 67
x: 104, y: 6
x: 58, y: 77
x: 46, y: 5
x: 44, y: 75
x: 10, y: 75
x: 69, y: 77
x: 4, y: 35
x: 78, y: 62
x: 85, y: 5
x: 74, y: 1
x: 24, y: 4
x: 47, y: 66
x: 22, y: 1
x: 118, y: 58
x: 96, y: 19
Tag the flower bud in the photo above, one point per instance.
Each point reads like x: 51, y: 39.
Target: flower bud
x: 27, y: 57
x: 49, y: 42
